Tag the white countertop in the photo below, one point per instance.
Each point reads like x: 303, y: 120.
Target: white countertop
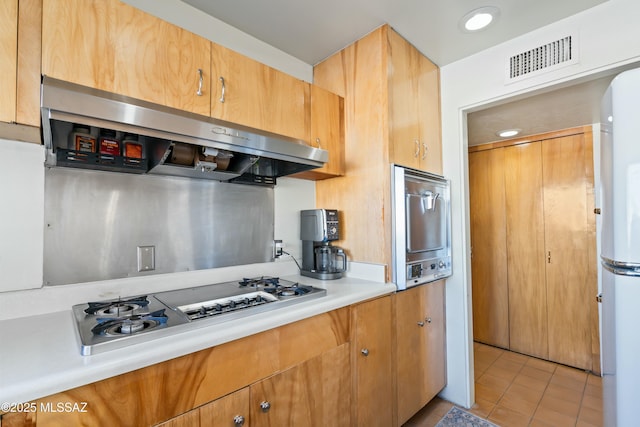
x: 40, y: 354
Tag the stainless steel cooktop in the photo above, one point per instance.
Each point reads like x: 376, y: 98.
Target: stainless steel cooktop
x: 111, y: 324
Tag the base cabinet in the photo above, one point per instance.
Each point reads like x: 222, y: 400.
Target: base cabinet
x: 372, y: 363
x: 314, y: 393
x: 420, y: 347
x: 335, y: 369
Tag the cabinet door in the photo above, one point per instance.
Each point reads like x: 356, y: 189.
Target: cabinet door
x: 405, y: 145
x: 327, y: 132
x: 429, y: 115
x: 313, y: 393
x: 188, y: 419
x: 566, y: 236
x: 420, y: 347
x: 252, y: 94
x: 115, y: 47
x: 488, y: 247
x: 528, y: 329
x: 8, y: 59
x: 29, y: 60
x: 373, y: 369
x: 231, y: 410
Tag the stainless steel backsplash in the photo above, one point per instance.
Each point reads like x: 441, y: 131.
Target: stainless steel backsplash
x: 95, y: 221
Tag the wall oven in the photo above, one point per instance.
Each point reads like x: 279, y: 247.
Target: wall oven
x: 421, y: 227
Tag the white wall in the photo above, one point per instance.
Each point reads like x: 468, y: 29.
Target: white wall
x: 607, y: 40
x: 21, y: 215
x: 291, y: 196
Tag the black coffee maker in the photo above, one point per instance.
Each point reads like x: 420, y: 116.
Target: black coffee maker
x: 320, y: 259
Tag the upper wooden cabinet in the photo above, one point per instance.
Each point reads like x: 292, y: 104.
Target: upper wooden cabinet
x: 8, y: 59
x: 414, y: 107
x: 115, y: 47
x: 327, y: 132
x: 252, y: 94
x: 20, y: 45
x: 420, y: 347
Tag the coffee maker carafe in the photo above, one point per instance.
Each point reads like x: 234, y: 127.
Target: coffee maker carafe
x: 320, y: 259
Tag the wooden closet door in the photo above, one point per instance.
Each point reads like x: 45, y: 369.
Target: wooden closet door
x: 488, y: 246
x: 528, y: 329
x: 566, y: 235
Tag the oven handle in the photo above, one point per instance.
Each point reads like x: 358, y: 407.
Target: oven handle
x: 427, y: 200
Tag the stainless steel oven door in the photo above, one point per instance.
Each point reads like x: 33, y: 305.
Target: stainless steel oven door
x: 421, y: 231
x: 426, y: 216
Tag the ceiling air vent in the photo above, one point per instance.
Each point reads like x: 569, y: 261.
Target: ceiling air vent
x: 559, y: 53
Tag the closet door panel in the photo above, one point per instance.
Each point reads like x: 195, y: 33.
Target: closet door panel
x: 566, y: 225
x: 528, y: 329
x: 489, y: 251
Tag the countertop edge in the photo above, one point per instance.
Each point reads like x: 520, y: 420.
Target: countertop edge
x: 28, y: 378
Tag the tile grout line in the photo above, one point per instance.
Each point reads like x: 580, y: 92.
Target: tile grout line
x: 531, y: 419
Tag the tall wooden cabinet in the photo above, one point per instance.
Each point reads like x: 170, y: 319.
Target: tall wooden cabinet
x: 391, y: 101
x: 414, y: 108
x: 546, y: 217
x: 420, y: 347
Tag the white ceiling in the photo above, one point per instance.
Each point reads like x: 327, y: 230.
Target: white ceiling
x: 312, y: 30
x: 567, y: 107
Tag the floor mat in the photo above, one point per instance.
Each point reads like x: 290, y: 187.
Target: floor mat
x: 457, y: 417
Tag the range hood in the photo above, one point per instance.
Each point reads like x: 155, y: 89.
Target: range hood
x: 176, y: 142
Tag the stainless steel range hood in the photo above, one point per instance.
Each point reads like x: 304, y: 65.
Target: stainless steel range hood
x: 248, y: 155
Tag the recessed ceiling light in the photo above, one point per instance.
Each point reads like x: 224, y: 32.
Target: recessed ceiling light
x: 479, y: 19
x: 508, y: 133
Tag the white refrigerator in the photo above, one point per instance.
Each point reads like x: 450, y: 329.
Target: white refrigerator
x: 620, y: 249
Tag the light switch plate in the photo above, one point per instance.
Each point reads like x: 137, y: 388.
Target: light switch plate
x: 146, y: 258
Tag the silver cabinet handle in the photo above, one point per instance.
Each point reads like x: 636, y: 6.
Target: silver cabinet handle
x: 417, y: 153
x: 364, y: 351
x: 238, y: 420
x: 200, y: 78
x: 424, y: 152
x: 421, y: 324
x: 223, y: 89
x: 318, y: 142
x: 599, y: 297
x: 427, y: 319
x: 265, y: 406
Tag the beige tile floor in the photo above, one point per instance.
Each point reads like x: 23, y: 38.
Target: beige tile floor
x: 514, y: 390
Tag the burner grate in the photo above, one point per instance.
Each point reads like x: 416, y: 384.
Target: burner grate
x: 128, y: 325
x: 117, y: 308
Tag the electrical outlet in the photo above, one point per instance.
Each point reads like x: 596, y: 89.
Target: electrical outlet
x: 146, y: 258
x: 277, y: 248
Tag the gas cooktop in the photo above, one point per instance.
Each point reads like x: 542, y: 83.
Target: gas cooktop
x: 111, y: 324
